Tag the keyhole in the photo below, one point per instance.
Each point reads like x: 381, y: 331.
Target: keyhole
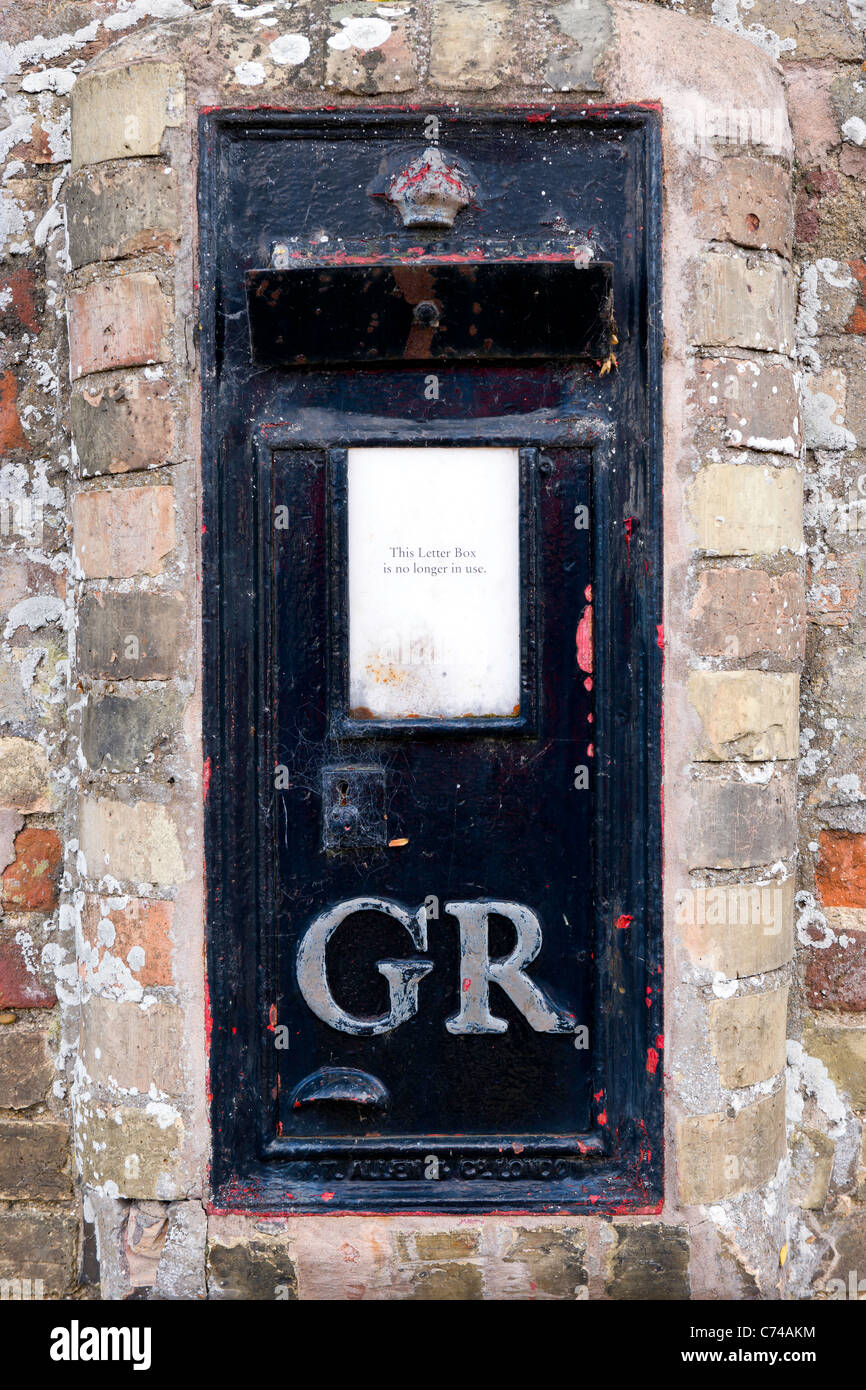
x: 342, y: 793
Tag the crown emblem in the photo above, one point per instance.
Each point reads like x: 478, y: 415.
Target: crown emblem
x: 431, y: 190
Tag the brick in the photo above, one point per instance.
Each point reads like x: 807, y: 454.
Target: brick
x: 124, y: 427
x: 741, y: 302
x: 137, y: 843
x: 746, y: 201
x: 857, y: 320
x: 11, y: 433
x: 751, y: 716
x: 140, y: 925
x: 738, y: 929
x: 649, y: 1261
x: 124, y: 1045
x: 488, y: 60
x: 364, y: 58
x: 253, y: 1268
x: 833, y: 591
x: 744, y: 613
x: 30, y: 882
x: 144, y: 1241
x: 446, y: 1245
x: 122, y: 211
x: 123, y: 532
x: 40, y: 1245
x: 118, y: 733
x: 836, y: 974
x: 124, y: 112
x: 841, y: 872
x: 812, y: 1156
x: 843, y: 1052
x: 825, y: 396
x: 131, y: 636
x: 738, y: 825
x: 720, y: 1155
x: 24, y: 775
x: 10, y: 824
x: 22, y: 579
x: 26, y: 1068
x: 575, y: 43
x: 34, y: 1155
x: 813, y: 122
x: 20, y: 987
x: 122, y: 322
x: 447, y: 1282
x: 755, y: 402
x: 23, y: 301
x: 747, y: 1035
x: 554, y: 1258
x: 819, y: 30
x: 133, y: 1149
x: 742, y: 510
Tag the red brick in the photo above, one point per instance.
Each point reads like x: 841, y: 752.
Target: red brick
x: 11, y: 433
x: 833, y: 590
x: 21, y: 312
x: 836, y: 975
x: 746, y: 201
x: 123, y: 532
x: 857, y: 321
x: 26, y: 1068
x: 757, y: 403
x: 19, y: 989
x: 33, y: 1157
x: 118, y: 323
x: 141, y: 922
x: 31, y: 881
x: 841, y: 872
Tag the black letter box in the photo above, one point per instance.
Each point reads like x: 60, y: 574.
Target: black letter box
x: 431, y: 583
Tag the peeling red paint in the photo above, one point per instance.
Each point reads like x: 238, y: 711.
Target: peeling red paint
x: 205, y: 778
x: 272, y: 1018
x: 660, y: 636
x: 652, y: 1060
x: 660, y: 1042
x: 629, y: 523
x: 583, y: 640
x: 624, y: 921
x: 602, y: 1117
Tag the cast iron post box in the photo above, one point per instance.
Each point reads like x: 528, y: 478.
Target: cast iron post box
x: 431, y: 560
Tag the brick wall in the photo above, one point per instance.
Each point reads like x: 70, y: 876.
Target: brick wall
x: 100, y: 759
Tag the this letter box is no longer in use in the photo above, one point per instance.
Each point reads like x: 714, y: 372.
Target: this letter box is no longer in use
x: 431, y: 562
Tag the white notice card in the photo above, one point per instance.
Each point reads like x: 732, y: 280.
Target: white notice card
x: 434, y: 583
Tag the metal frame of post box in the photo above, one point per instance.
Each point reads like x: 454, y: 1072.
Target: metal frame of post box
x: 623, y: 1168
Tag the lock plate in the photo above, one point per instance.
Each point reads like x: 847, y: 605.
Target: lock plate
x: 353, y: 807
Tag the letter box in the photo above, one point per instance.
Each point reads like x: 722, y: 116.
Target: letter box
x: 431, y: 590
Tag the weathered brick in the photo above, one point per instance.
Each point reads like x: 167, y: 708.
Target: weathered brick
x: 22, y: 579
x: 491, y: 56
x: 813, y: 123
x: 124, y: 427
x: 649, y: 1261
x: 125, y: 112
x: 20, y: 986
x: 122, y: 322
x: 34, y: 1158
x: 253, y: 1268
x: 135, y: 1149
x: 131, y: 636
x: 137, y: 843
x: 834, y: 583
x: 364, y: 57
x: 825, y: 397
x: 554, y: 1258
x: 447, y: 1282
x: 756, y: 403
x: 743, y: 613
x: 39, y: 1245
x: 11, y: 433
x: 747, y: 1034
x: 22, y: 302
x: 746, y: 201
x: 738, y: 929
x: 819, y: 30
x: 10, y: 823
x: 124, y: 532
x: 737, y: 825
x: 738, y: 509
x: 747, y: 716
x: 26, y: 1068
x: 24, y: 775
x: 836, y: 974
x: 841, y: 872
x: 124, y: 1045
x: 741, y: 302
x: 575, y: 45
x: 811, y: 1154
x: 118, y: 732
x: 843, y: 1052
x: 138, y: 932
x: 117, y: 212
x: 30, y: 882
x: 857, y: 320
x: 720, y: 1155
